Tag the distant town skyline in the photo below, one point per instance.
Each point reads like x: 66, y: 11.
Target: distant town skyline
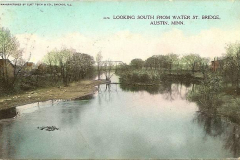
x: 85, y: 27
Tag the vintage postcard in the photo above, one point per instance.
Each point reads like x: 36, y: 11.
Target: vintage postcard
x: 119, y: 79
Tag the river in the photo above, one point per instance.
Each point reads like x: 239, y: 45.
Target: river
x: 118, y: 122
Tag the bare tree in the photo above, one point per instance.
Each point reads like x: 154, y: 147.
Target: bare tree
x: 9, y: 48
x: 108, y: 66
x: 99, y: 63
x: 18, y: 63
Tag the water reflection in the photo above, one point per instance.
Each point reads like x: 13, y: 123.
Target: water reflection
x: 120, y: 122
x: 8, y: 113
x: 213, y: 124
x: 71, y: 111
x: 104, y: 92
x: 233, y: 141
x: 216, y: 126
x: 170, y: 90
x: 8, y: 142
x: 207, y: 117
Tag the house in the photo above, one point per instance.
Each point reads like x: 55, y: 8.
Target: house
x: 6, y: 68
x: 216, y: 64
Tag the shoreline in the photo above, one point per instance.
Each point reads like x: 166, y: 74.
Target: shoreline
x: 75, y: 90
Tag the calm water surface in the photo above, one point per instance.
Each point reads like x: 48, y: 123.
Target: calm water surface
x: 118, y: 123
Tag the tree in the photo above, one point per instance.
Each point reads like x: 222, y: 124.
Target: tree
x: 9, y: 48
x: 61, y: 58
x: 137, y: 63
x: 232, y: 63
x: 172, y: 60
x: 51, y: 60
x: 80, y: 65
x: 151, y: 62
x: 99, y: 63
x: 162, y: 61
x: 204, y: 66
x: 73, y: 66
x: 18, y: 63
x: 191, y: 61
x: 108, y: 66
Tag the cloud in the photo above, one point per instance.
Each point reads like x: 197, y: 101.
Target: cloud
x: 208, y: 43
x: 125, y: 45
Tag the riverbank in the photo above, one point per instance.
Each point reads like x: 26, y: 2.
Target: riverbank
x: 73, y: 91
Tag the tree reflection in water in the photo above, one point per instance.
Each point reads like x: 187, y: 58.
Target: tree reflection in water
x: 8, y: 140
x: 104, y: 91
x: 170, y: 90
x: 214, y: 124
x: 232, y: 141
x: 71, y: 111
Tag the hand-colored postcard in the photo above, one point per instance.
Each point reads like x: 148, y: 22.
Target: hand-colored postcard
x: 119, y: 79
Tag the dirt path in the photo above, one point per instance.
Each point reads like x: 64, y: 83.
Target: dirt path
x: 73, y: 91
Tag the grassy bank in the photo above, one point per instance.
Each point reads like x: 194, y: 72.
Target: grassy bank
x: 73, y: 91
x: 151, y: 77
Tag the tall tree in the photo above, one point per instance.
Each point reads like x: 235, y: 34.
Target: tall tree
x: 99, y: 63
x: 137, y: 63
x: 232, y: 63
x: 80, y: 65
x: 62, y: 58
x: 9, y: 48
x: 191, y: 61
x: 172, y: 60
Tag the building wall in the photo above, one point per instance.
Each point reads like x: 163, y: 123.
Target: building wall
x: 215, y: 65
x: 10, y: 68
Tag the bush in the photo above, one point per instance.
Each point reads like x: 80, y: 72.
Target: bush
x: 139, y: 76
x: 144, y: 77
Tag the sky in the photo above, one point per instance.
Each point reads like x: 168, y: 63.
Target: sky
x: 80, y: 25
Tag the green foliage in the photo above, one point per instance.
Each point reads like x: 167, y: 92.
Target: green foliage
x: 80, y: 65
x: 139, y: 76
x: 231, y: 108
x: 137, y: 63
x: 208, y: 93
x: 161, y: 61
x: 231, y: 64
x: 72, y: 66
x: 194, y: 62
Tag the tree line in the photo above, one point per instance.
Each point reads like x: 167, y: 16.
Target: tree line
x: 225, y: 67
x: 70, y: 65
x: 170, y: 62
x: 57, y: 66
x: 67, y: 65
